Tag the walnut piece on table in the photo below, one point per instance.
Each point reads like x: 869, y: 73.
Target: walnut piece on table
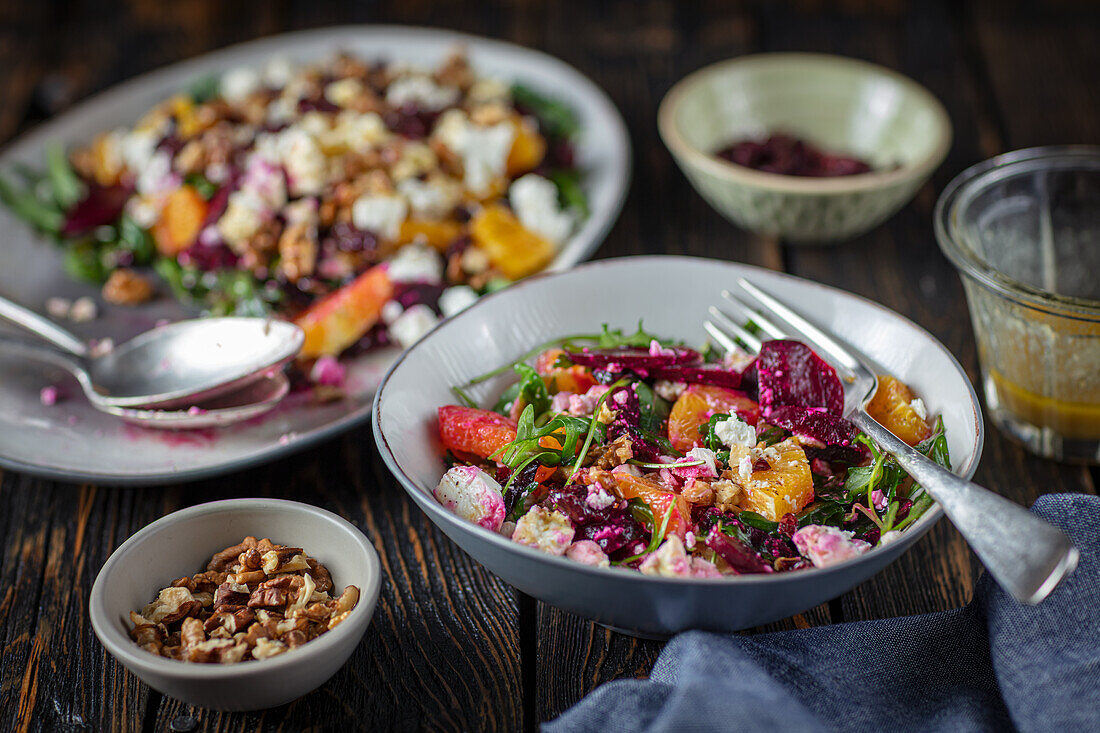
x: 254, y: 600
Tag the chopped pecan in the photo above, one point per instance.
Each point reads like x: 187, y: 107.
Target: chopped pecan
x: 320, y: 575
x: 192, y: 633
x: 616, y: 454
x: 699, y: 492
x: 347, y: 600
x: 227, y: 557
x: 231, y: 594
x: 250, y: 559
x: 248, y: 577
x: 284, y: 559
x: 126, y: 287
x: 231, y: 621
x: 456, y: 71
x: 295, y: 638
x: 298, y: 251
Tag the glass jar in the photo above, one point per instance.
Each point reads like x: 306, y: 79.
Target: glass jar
x: 1023, y: 229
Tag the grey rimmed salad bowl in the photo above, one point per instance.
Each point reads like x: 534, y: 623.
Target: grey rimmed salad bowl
x: 671, y: 296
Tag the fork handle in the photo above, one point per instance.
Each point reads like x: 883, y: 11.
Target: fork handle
x: 1026, y: 555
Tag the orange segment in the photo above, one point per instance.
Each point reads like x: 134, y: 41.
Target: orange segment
x: 512, y: 248
x: 437, y: 234
x: 528, y: 148
x: 891, y: 407
x: 696, y: 405
x: 180, y: 221
x: 575, y: 378
x: 341, y: 318
x: 657, y: 499
x: 785, y: 486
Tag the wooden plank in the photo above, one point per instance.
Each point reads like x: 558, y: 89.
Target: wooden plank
x: 1043, y: 65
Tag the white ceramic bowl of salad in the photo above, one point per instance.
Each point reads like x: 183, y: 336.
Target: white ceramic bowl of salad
x: 507, y: 325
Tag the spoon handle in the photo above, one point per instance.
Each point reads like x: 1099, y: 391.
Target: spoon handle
x: 42, y: 327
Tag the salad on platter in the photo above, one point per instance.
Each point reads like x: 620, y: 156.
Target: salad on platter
x: 363, y: 200
x: 632, y: 451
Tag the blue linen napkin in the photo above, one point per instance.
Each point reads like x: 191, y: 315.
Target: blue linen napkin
x: 994, y: 665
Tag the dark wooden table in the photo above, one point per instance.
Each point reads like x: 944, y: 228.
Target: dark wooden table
x: 451, y: 646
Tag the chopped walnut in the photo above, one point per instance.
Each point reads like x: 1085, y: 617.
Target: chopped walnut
x: 255, y: 600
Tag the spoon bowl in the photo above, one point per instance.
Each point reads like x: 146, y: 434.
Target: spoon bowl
x: 177, y: 365
x: 190, y: 362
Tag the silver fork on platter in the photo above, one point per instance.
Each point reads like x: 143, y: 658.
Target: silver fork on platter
x: 1027, y: 556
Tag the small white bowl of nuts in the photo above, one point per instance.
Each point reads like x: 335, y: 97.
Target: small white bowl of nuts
x: 237, y: 605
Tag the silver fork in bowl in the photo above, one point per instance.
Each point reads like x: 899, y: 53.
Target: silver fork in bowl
x: 1026, y: 555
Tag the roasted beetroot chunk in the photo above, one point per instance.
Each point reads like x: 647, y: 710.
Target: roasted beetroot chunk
x: 613, y: 528
x: 639, y: 361
x: 815, y: 425
x: 789, y: 373
x: 102, y: 205
x: 709, y: 374
x: 739, y: 555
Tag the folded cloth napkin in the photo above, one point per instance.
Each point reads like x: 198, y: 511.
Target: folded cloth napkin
x: 994, y: 665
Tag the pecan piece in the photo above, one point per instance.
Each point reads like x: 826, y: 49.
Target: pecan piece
x: 321, y: 575
x: 126, y: 287
x: 223, y: 560
x: 230, y: 594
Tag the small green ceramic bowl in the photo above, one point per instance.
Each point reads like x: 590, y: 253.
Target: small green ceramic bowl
x: 841, y: 105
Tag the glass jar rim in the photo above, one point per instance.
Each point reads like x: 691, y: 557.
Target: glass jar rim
x: 945, y: 220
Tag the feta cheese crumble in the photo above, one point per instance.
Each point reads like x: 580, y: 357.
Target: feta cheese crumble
x: 422, y: 92
x: 549, y: 531
x: 483, y: 149
x: 410, y: 326
x: 735, y: 431
x: 535, y: 201
x: 416, y: 263
x: 381, y: 214
x: 456, y: 299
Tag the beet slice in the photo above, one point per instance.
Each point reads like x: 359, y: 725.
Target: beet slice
x: 789, y: 373
x: 709, y: 374
x: 102, y: 205
x: 739, y: 555
x: 825, y: 435
x: 641, y: 361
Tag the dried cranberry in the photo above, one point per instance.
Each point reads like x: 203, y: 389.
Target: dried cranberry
x: 787, y: 155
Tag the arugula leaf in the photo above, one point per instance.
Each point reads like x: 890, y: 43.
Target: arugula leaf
x: 67, y: 186
x: 82, y: 261
x: 653, y: 408
x: 532, y: 390
x: 570, y: 193
x: 205, y: 88
x: 822, y: 511
x: 555, y: 118
x: 202, y: 184
x: 656, y: 535
x: 612, y: 338
x: 135, y: 239
x: 759, y: 521
x: 28, y: 207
